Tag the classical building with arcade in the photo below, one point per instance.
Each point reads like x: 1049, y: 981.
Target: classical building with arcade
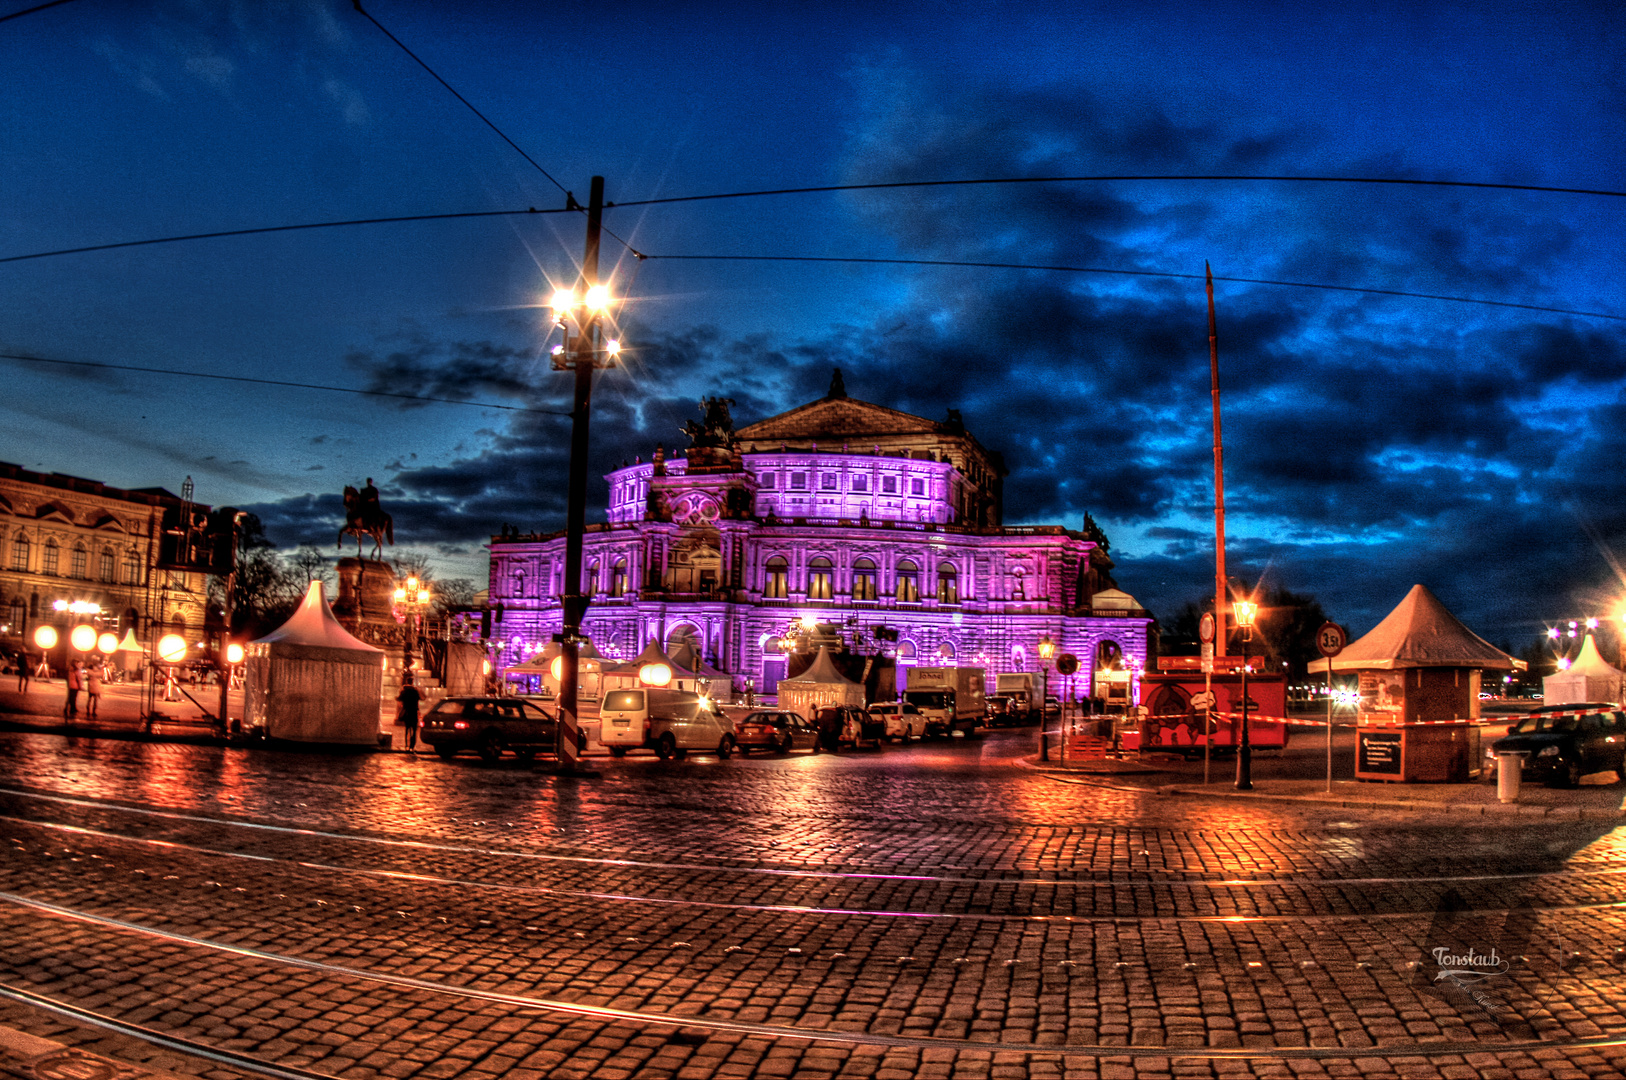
x: 886, y: 526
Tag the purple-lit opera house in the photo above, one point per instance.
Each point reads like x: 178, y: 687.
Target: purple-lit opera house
x: 858, y: 515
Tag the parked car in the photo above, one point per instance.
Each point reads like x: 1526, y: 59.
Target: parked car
x: 1561, y: 749
x: 776, y: 730
x: 998, y: 708
x: 846, y: 725
x: 489, y: 726
x: 669, y: 722
x: 901, y: 720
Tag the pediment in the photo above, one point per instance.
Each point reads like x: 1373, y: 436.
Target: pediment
x: 108, y: 521
x: 835, y: 420
x: 52, y: 512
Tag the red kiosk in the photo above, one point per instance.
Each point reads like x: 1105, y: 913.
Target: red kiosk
x: 1419, y: 675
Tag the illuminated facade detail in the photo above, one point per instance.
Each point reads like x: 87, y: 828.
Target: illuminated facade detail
x: 68, y: 540
x: 857, y: 514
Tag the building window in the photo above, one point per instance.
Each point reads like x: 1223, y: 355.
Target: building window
x: 519, y: 583
x: 819, y: 572
x: 776, y: 578
x: 860, y: 483
x: 889, y: 485
x: 948, y: 589
x: 770, y: 480
x: 78, y: 561
x: 51, y: 554
x: 19, y: 552
x: 863, y: 580
x: 827, y: 481
x: 590, y: 586
x: 908, y: 582
x: 132, y: 568
x: 917, y: 487
x: 108, y: 564
x: 618, y: 578
x: 798, y: 481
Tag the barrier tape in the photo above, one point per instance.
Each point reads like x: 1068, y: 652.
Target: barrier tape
x: 1300, y: 721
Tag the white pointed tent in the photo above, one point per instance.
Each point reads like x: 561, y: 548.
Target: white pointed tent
x: 820, y: 684
x: 310, y: 680
x: 1589, y: 678
x: 129, y: 652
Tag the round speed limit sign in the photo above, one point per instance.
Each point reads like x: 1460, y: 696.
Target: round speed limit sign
x: 1329, y: 640
x: 1205, y: 627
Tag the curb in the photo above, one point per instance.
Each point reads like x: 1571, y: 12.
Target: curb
x: 1515, y: 810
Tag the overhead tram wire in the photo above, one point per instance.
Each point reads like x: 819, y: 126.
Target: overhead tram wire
x: 32, y: 10
x: 1131, y: 273
x: 451, y: 90
x: 279, y: 229
x: 178, y: 373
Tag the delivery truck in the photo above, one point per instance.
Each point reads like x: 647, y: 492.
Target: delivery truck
x: 1017, y: 686
x: 949, y: 699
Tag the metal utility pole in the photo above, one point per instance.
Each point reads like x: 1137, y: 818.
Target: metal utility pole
x: 1220, y: 590
x: 581, y: 354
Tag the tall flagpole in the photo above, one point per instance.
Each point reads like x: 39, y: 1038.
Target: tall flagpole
x: 1221, y: 604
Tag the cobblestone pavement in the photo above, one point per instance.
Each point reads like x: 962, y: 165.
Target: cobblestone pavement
x: 931, y: 911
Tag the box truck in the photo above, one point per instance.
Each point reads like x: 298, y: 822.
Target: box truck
x: 949, y: 699
x: 1017, y: 686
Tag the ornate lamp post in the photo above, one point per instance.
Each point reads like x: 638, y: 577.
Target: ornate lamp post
x: 1246, y: 611
x: 413, y: 597
x: 1047, y: 649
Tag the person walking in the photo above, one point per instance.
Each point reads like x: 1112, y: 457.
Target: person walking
x: 406, y: 713
x: 93, y: 689
x: 24, y: 662
x: 76, y: 683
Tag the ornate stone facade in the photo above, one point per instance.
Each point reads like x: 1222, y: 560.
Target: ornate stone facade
x: 63, y: 538
x: 856, y: 514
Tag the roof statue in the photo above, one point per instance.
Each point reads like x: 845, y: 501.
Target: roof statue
x: 838, y: 389
x: 717, y: 427
x: 1420, y: 632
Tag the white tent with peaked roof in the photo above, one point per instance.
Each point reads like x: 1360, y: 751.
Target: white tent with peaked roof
x: 820, y: 684
x: 311, y: 680
x: 1589, y: 678
x: 1420, y: 632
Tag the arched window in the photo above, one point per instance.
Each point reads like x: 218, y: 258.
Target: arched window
x: 863, y: 580
x: 819, y: 572
x: 52, y: 552
x: 19, y: 552
x: 519, y: 583
x: 775, y: 578
x: 908, y: 582
x: 80, y: 559
x: 590, y: 582
x: 132, y: 568
x: 108, y: 565
x: 618, y: 578
x: 948, y: 589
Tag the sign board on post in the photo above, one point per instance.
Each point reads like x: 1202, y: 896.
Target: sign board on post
x: 1329, y: 640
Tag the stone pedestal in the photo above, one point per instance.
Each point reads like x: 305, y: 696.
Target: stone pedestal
x: 366, y: 603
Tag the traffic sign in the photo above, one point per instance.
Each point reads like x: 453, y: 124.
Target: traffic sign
x: 1205, y: 627
x: 1066, y: 664
x: 1329, y: 640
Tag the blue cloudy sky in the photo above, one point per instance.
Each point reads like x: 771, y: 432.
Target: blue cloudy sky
x: 1372, y: 441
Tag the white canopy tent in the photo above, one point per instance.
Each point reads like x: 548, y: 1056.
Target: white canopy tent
x: 310, y: 680
x: 820, y: 684
x: 1589, y: 678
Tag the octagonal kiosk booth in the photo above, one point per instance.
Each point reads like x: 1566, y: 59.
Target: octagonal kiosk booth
x: 1419, y: 673
x: 310, y: 681
x: 1589, y: 678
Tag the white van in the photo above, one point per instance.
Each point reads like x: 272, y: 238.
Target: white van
x: 669, y: 722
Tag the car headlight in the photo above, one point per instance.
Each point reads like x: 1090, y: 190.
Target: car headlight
x: 1548, y: 751
x: 1490, y: 753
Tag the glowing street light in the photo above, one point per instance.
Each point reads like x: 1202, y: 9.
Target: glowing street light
x: 1047, y: 649
x: 83, y: 637
x: 414, y: 597
x: 172, y: 648
x: 45, y: 637
x: 107, y: 643
x: 1246, y: 612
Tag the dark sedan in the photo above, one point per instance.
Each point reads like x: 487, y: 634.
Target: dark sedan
x: 775, y: 730
x: 1561, y: 747
x: 489, y: 726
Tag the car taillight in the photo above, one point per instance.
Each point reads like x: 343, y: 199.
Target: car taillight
x: 460, y: 725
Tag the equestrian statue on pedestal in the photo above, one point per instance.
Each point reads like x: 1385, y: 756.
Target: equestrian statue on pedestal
x: 363, y: 516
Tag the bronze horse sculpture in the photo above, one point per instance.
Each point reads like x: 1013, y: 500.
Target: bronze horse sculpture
x: 364, y: 517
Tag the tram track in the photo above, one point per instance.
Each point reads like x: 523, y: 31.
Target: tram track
x: 730, y: 865
x: 643, y: 1017
x: 600, y: 896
